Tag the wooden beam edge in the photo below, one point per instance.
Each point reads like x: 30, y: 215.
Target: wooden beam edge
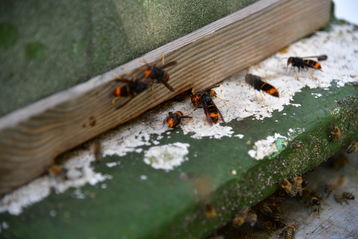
x: 31, y: 137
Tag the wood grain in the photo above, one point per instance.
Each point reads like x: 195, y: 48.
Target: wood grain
x: 31, y: 137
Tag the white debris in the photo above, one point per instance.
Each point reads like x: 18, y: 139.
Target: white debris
x: 112, y: 164
x: 296, y: 105
x: 76, y: 173
x: 240, y: 136
x: 201, y: 130
x: 53, y: 213
x: 166, y: 157
x: 143, y: 177
x: 241, y: 101
x: 79, y: 194
x: 316, y: 95
x: 3, y: 226
x: 292, y: 133
x: 266, y: 147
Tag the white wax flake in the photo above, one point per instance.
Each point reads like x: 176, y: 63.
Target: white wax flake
x: 340, y: 83
x: 112, y: 164
x: 143, y: 177
x: 52, y: 213
x: 3, y: 226
x: 240, y: 136
x: 292, y: 133
x: 266, y: 147
x: 233, y: 172
x: 316, y: 95
x: 166, y: 157
x: 76, y: 172
x: 79, y: 194
x: 201, y: 130
x: 296, y: 105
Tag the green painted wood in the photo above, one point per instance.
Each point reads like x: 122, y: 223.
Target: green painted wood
x: 49, y: 46
x: 165, y: 205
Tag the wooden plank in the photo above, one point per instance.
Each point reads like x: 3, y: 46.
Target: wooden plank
x: 30, y: 138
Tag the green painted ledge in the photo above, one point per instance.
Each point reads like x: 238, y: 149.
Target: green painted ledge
x: 49, y: 46
x: 165, y: 205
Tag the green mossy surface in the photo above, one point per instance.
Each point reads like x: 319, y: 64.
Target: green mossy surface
x: 8, y: 35
x: 166, y: 206
x: 49, y: 46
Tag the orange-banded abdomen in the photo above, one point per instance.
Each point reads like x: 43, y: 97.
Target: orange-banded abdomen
x: 256, y: 82
x: 121, y: 91
x: 269, y: 89
x: 313, y: 64
x: 213, y: 113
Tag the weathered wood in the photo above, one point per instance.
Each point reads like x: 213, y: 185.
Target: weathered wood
x: 30, y: 138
